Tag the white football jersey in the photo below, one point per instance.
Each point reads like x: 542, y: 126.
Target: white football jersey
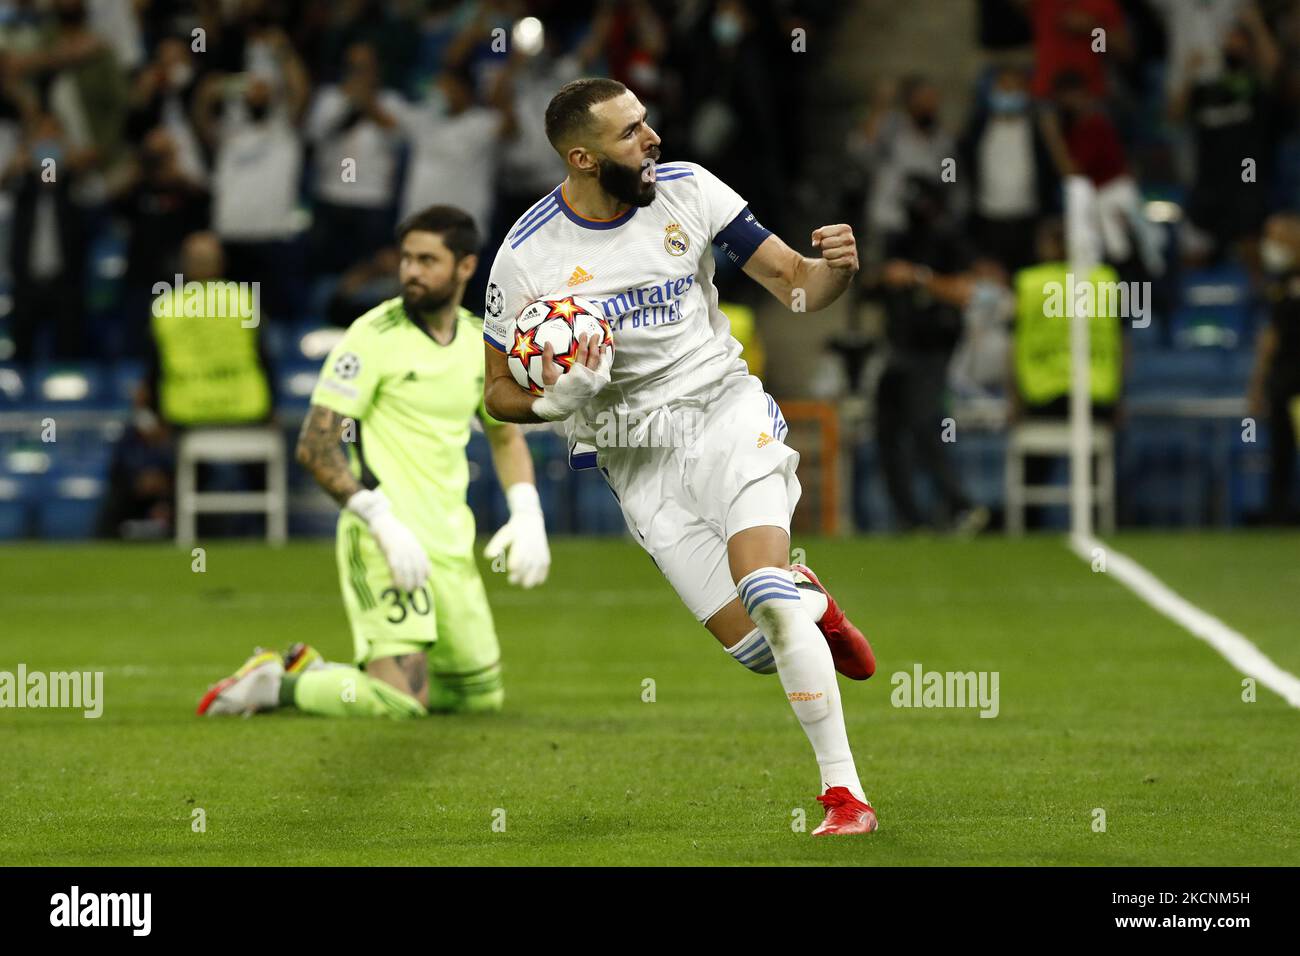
x: 651, y: 271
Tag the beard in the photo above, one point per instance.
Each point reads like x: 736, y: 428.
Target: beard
x: 624, y: 183
x: 425, y: 300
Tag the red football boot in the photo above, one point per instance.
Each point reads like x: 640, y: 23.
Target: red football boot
x: 845, y: 814
x: 849, y: 649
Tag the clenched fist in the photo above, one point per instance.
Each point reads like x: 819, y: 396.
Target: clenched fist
x: 839, y: 248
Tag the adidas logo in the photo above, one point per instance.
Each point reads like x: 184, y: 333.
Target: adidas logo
x: 764, y: 439
x: 580, y: 275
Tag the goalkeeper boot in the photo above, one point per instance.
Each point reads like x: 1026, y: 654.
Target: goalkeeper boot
x: 300, y: 658
x: 849, y: 648
x: 252, y: 688
x: 845, y: 814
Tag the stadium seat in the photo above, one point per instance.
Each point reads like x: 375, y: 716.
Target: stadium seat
x: 67, y: 385
x: 1215, y: 308
x: 69, y: 506
x: 122, y: 381
x: 14, y: 387
x: 228, y: 445
x: 294, y: 383
x: 1046, y: 438
x: 14, y: 506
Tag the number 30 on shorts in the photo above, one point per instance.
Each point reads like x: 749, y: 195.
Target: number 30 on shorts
x: 418, y: 600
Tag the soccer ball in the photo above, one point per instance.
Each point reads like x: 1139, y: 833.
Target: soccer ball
x: 559, y: 321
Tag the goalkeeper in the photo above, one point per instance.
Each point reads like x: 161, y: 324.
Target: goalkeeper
x: 399, y: 391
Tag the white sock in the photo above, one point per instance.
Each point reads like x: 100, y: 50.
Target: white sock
x: 752, y: 651
x: 807, y: 672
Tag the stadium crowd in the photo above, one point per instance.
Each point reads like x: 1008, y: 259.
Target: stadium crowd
x: 296, y: 134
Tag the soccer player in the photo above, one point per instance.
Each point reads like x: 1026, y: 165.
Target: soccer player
x: 713, y: 510
x: 399, y: 390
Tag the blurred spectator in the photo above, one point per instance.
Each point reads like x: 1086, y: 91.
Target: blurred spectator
x: 900, y: 138
x: 85, y: 87
x: 530, y: 167
x: 1230, y: 117
x: 454, y: 144
x: 252, y: 128
x: 48, y: 246
x: 1275, y: 381
x: 163, y: 94
x: 206, y: 367
x: 978, y: 365
x: 1066, y: 40
x: 1010, y: 165
x: 1195, y: 34
x: 1003, y: 25
x: 923, y: 291
x: 1085, y: 142
x: 364, y: 286
x: 119, y: 25
x: 163, y: 205
x: 353, y: 127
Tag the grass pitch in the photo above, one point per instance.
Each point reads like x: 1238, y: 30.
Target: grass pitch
x: 1103, y: 705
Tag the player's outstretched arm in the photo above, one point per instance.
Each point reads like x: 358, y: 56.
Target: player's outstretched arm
x: 800, y: 283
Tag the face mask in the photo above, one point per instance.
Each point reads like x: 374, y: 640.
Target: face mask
x: 726, y: 29
x: 1001, y: 101
x: 1277, y: 258
x: 47, y: 149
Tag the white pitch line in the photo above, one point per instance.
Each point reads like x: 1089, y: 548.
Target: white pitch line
x: 1235, y: 647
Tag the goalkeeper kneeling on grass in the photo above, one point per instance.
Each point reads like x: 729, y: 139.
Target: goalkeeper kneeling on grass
x: 398, y: 392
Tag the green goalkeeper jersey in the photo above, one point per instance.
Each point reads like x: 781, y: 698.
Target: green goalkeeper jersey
x: 412, y: 400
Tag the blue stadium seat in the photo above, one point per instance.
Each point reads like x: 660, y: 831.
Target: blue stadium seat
x: 595, y: 509
x: 294, y: 383
x: 70, y: 504
x: 122, y: 381
x: 15, y: 387
x: 1215, y: 308
x: 68, y: 385
x: 15, y: 500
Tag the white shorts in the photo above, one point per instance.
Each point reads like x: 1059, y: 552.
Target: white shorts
x: 678, y: 500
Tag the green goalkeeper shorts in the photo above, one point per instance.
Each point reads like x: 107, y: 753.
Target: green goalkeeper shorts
x: 447, y: 617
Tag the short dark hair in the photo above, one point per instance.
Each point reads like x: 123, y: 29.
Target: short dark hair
x: 569, y: 109
x: 456, y: 227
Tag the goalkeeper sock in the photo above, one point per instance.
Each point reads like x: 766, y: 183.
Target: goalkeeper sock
x: 346, y: 692
x: 807, y: 672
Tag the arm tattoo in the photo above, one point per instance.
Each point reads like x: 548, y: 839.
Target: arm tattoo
x: 319, y: 452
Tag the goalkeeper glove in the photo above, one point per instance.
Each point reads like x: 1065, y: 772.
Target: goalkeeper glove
x: 405, y: 555
x: 523, y: 538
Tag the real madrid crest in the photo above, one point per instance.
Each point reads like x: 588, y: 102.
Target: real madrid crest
x: 676, y: 242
